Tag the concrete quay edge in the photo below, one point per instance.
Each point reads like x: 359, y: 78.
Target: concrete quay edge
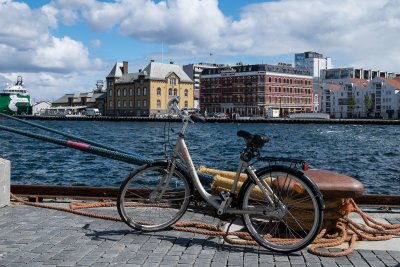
x: 219, y: 120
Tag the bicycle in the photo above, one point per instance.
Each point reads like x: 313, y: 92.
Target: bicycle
x: 280, y: 206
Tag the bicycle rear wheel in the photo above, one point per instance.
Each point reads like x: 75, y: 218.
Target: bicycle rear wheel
x: 295, y: 217
x: 141, y: 203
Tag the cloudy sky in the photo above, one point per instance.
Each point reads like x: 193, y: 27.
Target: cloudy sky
x: 65, y: 46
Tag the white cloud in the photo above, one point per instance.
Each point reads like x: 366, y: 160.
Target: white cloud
x: 95, y: 43
x: 28, y: 48
x: 360, y: 33
x: 358, y: 30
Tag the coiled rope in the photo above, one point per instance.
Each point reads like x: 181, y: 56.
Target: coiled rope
x: 346, y: 230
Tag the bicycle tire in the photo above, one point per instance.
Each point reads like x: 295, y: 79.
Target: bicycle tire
x: 303, y: 209
x: 138, y: 198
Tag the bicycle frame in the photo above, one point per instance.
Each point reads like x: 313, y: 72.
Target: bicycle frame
x: 182, y: 153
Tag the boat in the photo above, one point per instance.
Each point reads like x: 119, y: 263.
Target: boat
x: 15, y: 99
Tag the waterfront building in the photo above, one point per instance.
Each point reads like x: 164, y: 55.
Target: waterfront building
x: 385, y: 97
x: 313, y: 62
x: 344, y: 100
x: 40, y: 107
x: 337, y: 74
x: 93, y: 99
x: 250, y: 90
x: 147, y: 92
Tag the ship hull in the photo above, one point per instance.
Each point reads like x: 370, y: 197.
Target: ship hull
x: 15, y: 104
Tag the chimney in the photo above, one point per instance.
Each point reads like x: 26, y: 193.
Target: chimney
x: 152, y: 60
x: 171, y: 62
x: 125, y: 66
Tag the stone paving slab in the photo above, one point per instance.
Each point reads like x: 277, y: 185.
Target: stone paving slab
x: 32, y: 236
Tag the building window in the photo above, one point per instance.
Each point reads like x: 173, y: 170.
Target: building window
x: 138, y: 103
x: 175, y: 92
x: 110, y: 83
x: 144, y: 91
x: 186, y: 104
x: 138, y: 91
x: 130, y: 103
x: 110, y: 93
x: 119, y: 92
x: 186, y: 92
x: 159, y: 103
x: 124, y: 92
x: 170, y: 92
x: 130, y: 91
x: 110, y: 105
x: 144, y: 103
x: 172, y: 81
x: 124, y: 103
x: 158, y: 91
x: 119, y: 104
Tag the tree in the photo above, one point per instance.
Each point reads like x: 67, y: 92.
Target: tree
x: 352, y: 104
x: 368, y: 103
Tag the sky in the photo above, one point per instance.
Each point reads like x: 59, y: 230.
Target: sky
x: 65, y: 46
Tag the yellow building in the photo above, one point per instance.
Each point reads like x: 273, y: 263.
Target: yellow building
x: 147, y: 92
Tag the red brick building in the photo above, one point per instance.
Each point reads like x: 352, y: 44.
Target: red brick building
x: 250, y: 90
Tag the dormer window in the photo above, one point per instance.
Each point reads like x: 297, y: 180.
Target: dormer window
x: 172, y: 81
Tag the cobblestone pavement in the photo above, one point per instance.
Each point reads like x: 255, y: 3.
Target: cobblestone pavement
x: 33, y: 236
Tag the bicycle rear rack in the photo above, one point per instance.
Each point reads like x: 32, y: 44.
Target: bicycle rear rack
x: 293, y: 163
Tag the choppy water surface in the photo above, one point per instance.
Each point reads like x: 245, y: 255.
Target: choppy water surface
x: 368, y: 153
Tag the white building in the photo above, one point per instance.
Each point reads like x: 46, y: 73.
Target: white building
x: 344, y: 100
x: 386, y: 97
x: 338, y: 74
x: 40, y: 107
x: 313, y: 62
x: 359, y: 98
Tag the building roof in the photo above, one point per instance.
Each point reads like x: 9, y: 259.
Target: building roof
x: 116, y: 71
x: 393, y: 82
x: 78, y: 97
x: 333, y: 86
x: 153, y: 71
x: 128, y: 78
x: 161, y: 71
x: 360, y: 82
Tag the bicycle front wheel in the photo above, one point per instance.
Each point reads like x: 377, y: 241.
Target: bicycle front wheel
x: 294, y: 218
x: 147, y: 201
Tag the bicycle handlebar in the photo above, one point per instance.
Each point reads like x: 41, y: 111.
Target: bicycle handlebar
x: 173, y: 103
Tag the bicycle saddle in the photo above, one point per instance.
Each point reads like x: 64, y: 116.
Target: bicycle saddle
x: 254, y: 140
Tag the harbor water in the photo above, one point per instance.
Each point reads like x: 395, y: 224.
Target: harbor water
x: 368, y: 153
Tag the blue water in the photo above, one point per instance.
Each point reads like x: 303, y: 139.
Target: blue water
x: 368, y: 153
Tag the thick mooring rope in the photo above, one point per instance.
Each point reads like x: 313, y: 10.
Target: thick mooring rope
x: 346, y: 229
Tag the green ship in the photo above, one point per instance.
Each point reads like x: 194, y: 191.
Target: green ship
x: 15, y: 99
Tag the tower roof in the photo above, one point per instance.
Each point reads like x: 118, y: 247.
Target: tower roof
x: 160, y: 71
x: 116, y: 71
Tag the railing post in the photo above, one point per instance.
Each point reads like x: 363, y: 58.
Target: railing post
x: 5, y: 173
